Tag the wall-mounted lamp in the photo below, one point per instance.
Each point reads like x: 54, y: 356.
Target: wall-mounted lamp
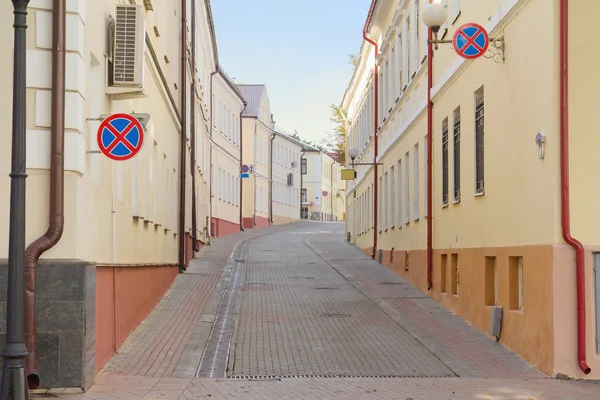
x: 435, y: 15
x: 353, y: 153
x: 540, y: 140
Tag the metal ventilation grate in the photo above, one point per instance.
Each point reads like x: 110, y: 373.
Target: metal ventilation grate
x: 125, y: 45
x: 333, y: 376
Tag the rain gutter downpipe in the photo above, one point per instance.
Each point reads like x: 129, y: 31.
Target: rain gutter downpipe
x: 183, y: 144
x: 193, y: 169
x: 429, y: 160
x: 564, y: 186
x: 376, y: 123
x: 56, y: 212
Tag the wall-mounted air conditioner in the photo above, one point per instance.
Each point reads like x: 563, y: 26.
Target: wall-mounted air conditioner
x: 125, y: 64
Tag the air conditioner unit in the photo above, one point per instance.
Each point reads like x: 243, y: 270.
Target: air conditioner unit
x: 128, y: 41
x: 290, y: 179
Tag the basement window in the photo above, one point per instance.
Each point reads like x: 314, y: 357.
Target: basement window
x: 491, y: 281
x: 516, y: 281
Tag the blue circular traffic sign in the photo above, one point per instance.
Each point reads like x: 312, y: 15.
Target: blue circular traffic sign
x: 471, y: 41
x: 120, y: 137
x: 245, y: 169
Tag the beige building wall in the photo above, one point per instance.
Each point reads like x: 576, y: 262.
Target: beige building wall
x: 227, y: 104
x: 146, y: 187
x: 286, y: 193
x: 257, y: 130
x: 497, y: 225
x: 323, y: 187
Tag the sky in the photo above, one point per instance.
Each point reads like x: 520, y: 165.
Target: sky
x: 299, y: 49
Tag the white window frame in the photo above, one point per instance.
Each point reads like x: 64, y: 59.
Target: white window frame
x: 416, y: 28
x: 407, y: 187
x: 406, y: 52
x: 392, y: 197
x: 400, y: 190
x: 416, y: 182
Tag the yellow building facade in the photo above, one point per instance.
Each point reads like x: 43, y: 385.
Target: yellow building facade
x: 497, y: 234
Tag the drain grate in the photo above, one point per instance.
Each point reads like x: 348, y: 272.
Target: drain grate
x: 333, y: 376
x: 308, y: 278
x: 326, y: 288
x: 391, y: 283
x: 330, y: 315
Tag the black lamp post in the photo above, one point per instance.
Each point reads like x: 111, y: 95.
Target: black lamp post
x: 14, y: 384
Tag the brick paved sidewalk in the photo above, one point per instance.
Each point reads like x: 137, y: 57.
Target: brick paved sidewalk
x: 169, y: 342
x: 122, y: 387
x: 465, y: 350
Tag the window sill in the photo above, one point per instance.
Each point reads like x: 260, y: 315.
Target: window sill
x: 522, y: 312
x: 444, y: 205
x: 392, y: 228
x: 416, y: 219
x: 456, y: 201
x: 480, y: 194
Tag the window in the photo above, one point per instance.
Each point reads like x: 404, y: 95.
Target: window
x: 380, y: 95
x: 479, y: 143
x: 392, y: 197
x: 372, y: 206
x: 385, y: 202
x: 457, y: 155
x: 491, y: 281
x: 515, y: 278
x: 445, y: 162
x: 380, y: 202
x: 407, y: 187
x: 424, y: 46
x: 304, y: 195
x: 416, y: 181
x: 386, y: 74
x: 399, y: 80
x: 407, y: 50
x: 426, y: 185
x: 220, y: 185
x: 399, y: 193
x: 415, y: 46
x: 393, y: 86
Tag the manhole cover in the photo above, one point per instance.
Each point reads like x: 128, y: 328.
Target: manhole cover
x: 330, y: 315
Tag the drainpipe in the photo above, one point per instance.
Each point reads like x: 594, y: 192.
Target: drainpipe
x: 564, y: 185
x: 183, y: 144
x: 429, y: 162
x: 271, y: 177
x: 255, y: 155
x: 242, y: 163
x: 56, y: 217
x: 212, y: 168
x: 301, y: 182
x: 376, y: 123
x: 193, y: 130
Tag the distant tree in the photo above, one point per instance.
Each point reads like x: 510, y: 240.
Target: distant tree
x: 339, y: 117
x: 353, y: 59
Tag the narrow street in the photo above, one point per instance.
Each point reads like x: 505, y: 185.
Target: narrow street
x: 294, y: 312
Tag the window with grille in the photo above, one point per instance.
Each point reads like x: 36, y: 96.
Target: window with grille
x: 380, y: 205
x: 457, y: 155
x: 385, y: 202
x: 479, y: 142
x: 304, y: 166
x: 392, y: 197
x: 416, y: 183
x: 407, y: 187
x: 445, y: 162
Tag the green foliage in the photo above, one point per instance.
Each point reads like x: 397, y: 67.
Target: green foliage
x: 339, y: 117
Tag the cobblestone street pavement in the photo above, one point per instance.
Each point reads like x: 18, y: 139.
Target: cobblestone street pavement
x: 294, y: 312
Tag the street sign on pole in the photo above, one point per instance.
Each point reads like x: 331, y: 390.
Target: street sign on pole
x: 244, y: 169
x: 471, y: 41
x: 325, y: 193
x: 120, y: 137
